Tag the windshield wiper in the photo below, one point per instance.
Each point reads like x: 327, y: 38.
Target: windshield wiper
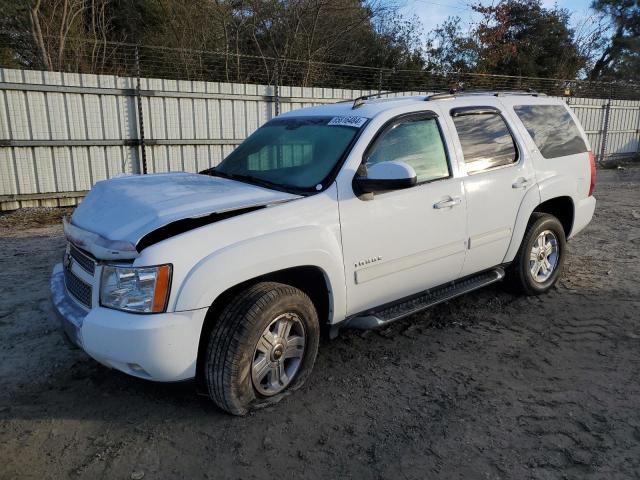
x: 215, y: 173
x: 209, y: 171
x: 257, y: 181
x: 264, y: 183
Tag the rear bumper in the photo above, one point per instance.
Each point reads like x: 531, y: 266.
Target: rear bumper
x: 583, y: 214
x: 160, y: 347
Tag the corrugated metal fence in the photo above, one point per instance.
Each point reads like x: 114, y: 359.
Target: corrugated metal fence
x: 62, y: 132
x: 613, y: 126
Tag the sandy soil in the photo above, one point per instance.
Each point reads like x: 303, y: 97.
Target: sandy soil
x: 490, y: 385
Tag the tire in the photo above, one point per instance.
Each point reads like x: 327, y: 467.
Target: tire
x: 238, y: 351
x: 521, y: 277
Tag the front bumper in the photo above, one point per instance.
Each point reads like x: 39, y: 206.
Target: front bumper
x: 161, y: 347
x: 70, y: 315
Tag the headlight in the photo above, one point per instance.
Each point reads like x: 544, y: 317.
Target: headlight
x: 141, y: 289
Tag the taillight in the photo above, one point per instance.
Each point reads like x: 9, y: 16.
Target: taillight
x: 592, y: 163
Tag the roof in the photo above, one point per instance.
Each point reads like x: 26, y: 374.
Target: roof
x: 368, y: 110
x: 371, y: 107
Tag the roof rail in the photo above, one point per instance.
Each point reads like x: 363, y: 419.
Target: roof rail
x: 452, y: 93
x: 440, y: 95
x: 358, y: 102
x: 497, y: 93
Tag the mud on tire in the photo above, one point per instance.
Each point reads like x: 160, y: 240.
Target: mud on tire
x: 233, y: 343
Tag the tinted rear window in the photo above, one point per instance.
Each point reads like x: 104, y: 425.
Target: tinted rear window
x: 552, y: 129
x: 486, y: 141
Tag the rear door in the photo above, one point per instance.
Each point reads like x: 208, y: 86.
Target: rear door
x: 498, y: 175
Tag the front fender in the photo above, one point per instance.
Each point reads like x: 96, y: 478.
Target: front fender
x: 242, y: 261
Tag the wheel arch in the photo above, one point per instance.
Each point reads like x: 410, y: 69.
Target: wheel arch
x: 562, y: 208
x: 311, y: 279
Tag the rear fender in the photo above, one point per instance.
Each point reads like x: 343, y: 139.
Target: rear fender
x: 559, y: 186
x: 530, y: 201
x: 549, y: 188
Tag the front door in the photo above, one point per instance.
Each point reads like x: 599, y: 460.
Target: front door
x: 404, y: 241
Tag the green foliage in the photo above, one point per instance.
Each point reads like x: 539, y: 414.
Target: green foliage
x: 514, y: 37
x: 449, y: 50
x: 621, y: 58
x: 521, y: 37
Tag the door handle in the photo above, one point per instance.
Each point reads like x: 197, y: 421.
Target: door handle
x: 448, y: 202
x: 520, y: 183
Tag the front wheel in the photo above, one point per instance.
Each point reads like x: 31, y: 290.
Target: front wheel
x: 262, y: 347
x: 538, y: 263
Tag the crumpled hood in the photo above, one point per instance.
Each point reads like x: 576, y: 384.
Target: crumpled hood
x: 124, y: 209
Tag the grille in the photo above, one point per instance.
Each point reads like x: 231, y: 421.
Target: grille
x: 79, y: 289
x: 86, y: 262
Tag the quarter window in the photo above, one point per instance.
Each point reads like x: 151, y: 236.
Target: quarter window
x: 416, y: 142
x: 552, y: 129
x: 486, y: 141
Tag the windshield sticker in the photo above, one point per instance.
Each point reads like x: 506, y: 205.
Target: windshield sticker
x: 348, y: 121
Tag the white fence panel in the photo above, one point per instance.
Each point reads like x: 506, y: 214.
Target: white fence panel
x: 62, y: 132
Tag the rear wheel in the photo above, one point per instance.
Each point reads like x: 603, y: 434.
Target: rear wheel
x: 538, y: 263
x: 262, y: 348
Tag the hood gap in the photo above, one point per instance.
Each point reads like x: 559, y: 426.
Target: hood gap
x: 186, y: 224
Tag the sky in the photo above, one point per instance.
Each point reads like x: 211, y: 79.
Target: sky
x: 431, y: 13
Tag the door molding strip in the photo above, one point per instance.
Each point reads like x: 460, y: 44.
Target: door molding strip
x: 489, y: 237
x: 403, y: 263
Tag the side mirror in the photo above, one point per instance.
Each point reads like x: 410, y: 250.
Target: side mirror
x: 385, y: 176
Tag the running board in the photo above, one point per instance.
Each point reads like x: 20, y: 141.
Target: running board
x: 391, y: 312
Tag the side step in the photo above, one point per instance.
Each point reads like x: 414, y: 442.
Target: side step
x: 390, y: 312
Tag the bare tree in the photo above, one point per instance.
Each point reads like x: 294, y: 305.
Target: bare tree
x: 38, y: 37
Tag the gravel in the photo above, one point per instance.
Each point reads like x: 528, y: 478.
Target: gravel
x: 31, y: 217
x: 490, y: 385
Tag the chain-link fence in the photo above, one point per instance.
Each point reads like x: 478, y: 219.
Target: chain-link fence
x: 124, y: 59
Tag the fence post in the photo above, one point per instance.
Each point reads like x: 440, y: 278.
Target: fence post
x: 605, y: 128
x: 638, y: 136
x: 143, y: 152
x: 276, y: 89
x: 380, y: 81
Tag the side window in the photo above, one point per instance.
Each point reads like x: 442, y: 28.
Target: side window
x: 486, y: 141
x: 417, y: 143
x: 552, y: 129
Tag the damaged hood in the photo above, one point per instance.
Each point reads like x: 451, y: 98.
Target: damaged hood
x: 117, y: 213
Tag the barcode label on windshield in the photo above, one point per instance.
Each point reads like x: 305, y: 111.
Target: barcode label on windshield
x: 348, y: 121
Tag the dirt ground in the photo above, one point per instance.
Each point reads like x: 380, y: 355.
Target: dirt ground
x: 490, y: 385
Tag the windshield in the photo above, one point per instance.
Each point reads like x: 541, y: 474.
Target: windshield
x: 292, y: 153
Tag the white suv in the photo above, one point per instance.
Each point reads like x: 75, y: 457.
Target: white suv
x: 345, y: 215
